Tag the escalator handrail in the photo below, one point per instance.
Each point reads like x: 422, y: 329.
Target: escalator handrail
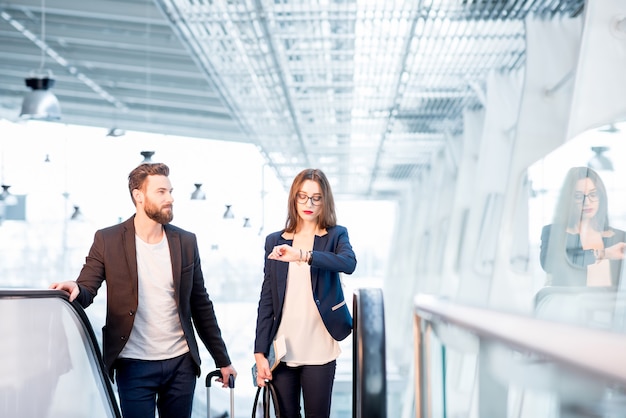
x: 87, y: 328
x: 369, y: 376
x: 567, y: 344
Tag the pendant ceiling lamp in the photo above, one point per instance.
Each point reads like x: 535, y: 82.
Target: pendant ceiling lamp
x: 40, y: 103
x: 77, y: 215
x: 147, y: 156
x: 599, y: 161
x: 198, y: 193
x: 228, y: 214
x: 6, y: 197
x: 116, y: 132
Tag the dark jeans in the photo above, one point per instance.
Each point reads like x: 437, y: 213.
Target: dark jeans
x: 316, y: 384
x: 168, y: 384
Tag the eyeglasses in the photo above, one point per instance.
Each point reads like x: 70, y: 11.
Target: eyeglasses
x: 302, y: 198
x: 592, y: 197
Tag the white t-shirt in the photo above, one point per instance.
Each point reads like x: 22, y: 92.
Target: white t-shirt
x: 157, y: 333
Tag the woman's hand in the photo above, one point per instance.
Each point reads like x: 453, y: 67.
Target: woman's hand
x: 263, y: 369
x: 615, y: 252
x: 286, y: 253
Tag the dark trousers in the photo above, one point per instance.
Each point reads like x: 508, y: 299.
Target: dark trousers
x: 167, y: 384
x: 314, y: 382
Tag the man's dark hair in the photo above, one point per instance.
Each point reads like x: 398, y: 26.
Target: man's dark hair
x: 137, y: 177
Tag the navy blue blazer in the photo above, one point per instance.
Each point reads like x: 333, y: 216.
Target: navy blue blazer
x: 113, y: 257
x: 332, y: 254
x: 567, y: 263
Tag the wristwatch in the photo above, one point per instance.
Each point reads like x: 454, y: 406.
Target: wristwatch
x: 599, y: 253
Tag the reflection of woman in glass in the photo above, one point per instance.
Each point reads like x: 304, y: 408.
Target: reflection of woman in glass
x: 580, y: 248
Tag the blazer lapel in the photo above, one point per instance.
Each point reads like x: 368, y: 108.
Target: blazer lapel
x: 130, y: 249
x: 319, y: 243
x: 281, y: 274
x: 173, y: 240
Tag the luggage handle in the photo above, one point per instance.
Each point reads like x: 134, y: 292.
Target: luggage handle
x: 231, y: 384
x: 217, y: 373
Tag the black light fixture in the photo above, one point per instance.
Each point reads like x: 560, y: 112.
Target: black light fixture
x: 116, y: 132
x: 77, y: 215
x: 609, y: 129
x: 229, y: 213
x: 147, y: 156
x: 600, y: 161
x: 40, y: 103
x: 6, y: 197
x: 198, y: 194
x: 246, y: 223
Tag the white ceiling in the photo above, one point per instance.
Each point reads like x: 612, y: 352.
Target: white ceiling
x: 369, y: 91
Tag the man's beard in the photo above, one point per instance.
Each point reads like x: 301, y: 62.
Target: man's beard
x: 161, y: 216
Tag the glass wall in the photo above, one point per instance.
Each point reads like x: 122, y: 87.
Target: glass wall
x: 568, y: 231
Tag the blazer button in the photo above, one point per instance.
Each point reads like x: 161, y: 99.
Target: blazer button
x: 122, y: 338
x: 131, y: 313
x: 317, y: 301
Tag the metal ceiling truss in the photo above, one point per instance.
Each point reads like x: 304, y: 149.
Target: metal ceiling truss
x: 365, y: 90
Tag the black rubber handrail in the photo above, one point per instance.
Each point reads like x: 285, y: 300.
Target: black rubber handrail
x: 369, y: 373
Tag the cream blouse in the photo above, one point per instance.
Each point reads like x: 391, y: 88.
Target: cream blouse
x: 307, y: 339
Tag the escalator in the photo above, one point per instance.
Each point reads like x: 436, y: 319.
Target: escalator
x: 50, y: 361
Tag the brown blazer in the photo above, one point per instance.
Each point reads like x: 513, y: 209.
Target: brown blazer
x: 113, y: 258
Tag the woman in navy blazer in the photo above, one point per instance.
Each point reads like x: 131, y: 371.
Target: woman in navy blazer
x: 580, y: 248
x: 302, y: 299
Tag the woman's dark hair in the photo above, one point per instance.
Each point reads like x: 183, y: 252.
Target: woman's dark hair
x: 568, y: 211
x: 137, y: 177
x: 327, y: 217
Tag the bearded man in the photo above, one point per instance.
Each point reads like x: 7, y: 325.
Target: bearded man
x: 155, y: 297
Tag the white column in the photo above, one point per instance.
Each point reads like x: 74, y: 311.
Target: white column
x: 600, y: 85
x: 551, y: 55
